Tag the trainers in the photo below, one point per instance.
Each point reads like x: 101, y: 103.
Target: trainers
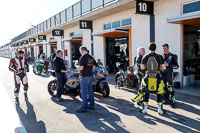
x: 81, y: 110
x: 59, y: 99
x: 91, y: 108
x: 17, y: 101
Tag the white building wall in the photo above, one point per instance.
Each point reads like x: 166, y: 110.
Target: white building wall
x: 46, y: 47
x: 87, y: 39
x: 140, y: 32
x: 36, y: 51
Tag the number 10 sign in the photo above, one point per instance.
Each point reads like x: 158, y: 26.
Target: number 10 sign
x: 144, y: 7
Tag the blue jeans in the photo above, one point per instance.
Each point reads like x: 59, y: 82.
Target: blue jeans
x: 60, y: 83
x: 86, y: 87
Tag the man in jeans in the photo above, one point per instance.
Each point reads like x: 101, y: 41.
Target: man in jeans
x: 87, y: 64
x: 60, y: 70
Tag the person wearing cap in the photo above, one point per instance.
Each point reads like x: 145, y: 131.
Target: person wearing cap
x: 19, y: 66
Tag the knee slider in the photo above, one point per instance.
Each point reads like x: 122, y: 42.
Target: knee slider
x: 17, y: 87
x: 26, y: 87
x: 170, y: 88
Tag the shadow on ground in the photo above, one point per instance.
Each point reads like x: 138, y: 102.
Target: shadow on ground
x: 98, y: 120
x: 29, y: 119
x: 103, y: 120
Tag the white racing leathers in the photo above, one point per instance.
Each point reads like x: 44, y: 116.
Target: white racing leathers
x: 15, y: 66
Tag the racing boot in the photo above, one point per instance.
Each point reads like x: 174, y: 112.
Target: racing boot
x: 144, y: 110
x: 25, y: 96
x: 173, y: 102
x: 160, y: 109
x: 16, y: 100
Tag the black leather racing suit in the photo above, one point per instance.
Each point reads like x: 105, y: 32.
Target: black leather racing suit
x: 137, y: 66
x: 167, y: 76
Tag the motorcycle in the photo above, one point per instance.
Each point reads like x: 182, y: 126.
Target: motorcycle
x: 100, y: 84
x: 71, y: 86
x: 125, y: 76
x: 41, y: 66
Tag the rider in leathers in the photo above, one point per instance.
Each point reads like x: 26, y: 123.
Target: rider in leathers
x: 170, y: 61
x: 139, y: 73
x: 19, y: 65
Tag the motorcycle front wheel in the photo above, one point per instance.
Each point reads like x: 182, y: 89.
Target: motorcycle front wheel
x: 118, y: 80
x: 34, y: 69
x: 105, y: 91
x: 39, y: 70
x: 52, y: 87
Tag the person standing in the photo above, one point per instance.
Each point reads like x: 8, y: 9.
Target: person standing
x: 170, y: 61
x: 42, y: 56
x: 139, y: 73
x: 99, y: 62
x: 60, y: 71
x: 52, y: 56
x: 87, y: 63
x: 19, y: 65
x: 152, y: 82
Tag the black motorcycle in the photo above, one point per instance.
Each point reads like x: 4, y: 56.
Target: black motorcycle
x: 125, y: 76
x: 100, y: 84
x: 71, y: 86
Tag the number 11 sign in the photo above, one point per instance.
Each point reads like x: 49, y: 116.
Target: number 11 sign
x: 144, y: 7
x: 84, y: 24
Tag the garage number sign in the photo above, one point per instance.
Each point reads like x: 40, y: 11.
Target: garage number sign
x: 25, y: 42
x: 144, y: 7
x: 41, y: 37
x: 32, y: 40
x: 85, y: 24
x: 57, y: 32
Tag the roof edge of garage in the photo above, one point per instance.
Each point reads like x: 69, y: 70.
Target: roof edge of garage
x: 184, y: 17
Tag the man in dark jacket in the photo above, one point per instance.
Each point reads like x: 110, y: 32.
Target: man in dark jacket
x: 139, y: 73
x: 171, y: 63
x: 60, y: 71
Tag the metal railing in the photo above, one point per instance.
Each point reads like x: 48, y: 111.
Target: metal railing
x: 78, y: 9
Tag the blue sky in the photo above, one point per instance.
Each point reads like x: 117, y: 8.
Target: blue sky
x: 18, y: 15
